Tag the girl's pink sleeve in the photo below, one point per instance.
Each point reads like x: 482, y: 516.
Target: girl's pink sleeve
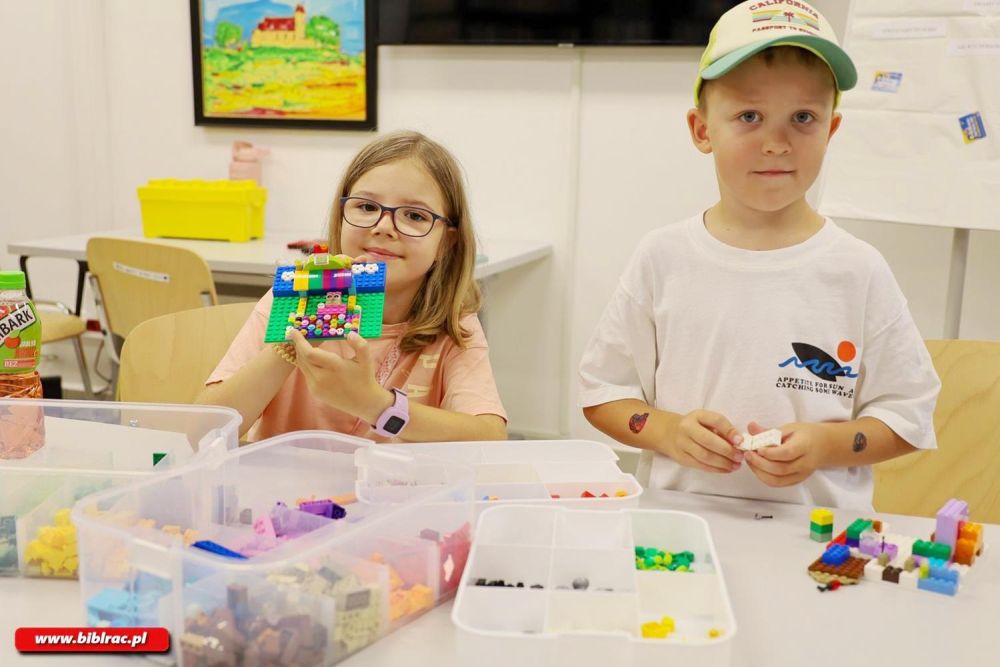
x: 248, y: 342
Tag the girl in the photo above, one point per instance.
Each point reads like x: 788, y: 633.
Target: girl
x: 401, y: 201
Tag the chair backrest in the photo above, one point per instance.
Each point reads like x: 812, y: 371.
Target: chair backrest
x: 966, y: 464
x: 166, y: 359
x: 139, y: 280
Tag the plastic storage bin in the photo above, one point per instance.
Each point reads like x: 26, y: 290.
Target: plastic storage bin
x: 569, y: 473
x: 313, y: 589
x: 557, y: 586
x: 79, y: 447
x: 195, y: 209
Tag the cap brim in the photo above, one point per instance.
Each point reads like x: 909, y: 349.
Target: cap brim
x: 844, y: 73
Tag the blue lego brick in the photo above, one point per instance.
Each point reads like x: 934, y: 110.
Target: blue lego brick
x: 121, y: 609
x: 942, y: 586
x: 836, y: 555
x: 365, y: 281
x: 282, y: 285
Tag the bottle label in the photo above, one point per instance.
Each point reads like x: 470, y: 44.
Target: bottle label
x: 20, y: 337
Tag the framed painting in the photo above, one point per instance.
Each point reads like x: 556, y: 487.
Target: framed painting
x: 310, y: 63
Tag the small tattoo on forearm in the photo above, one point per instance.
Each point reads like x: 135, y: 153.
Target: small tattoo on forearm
x: 860, y: 442
x: 637, y: 421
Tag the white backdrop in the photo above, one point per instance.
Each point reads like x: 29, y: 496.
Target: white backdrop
x: 922, y: 66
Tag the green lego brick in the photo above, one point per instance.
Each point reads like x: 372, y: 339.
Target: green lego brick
x: 820, y: 528
x: 859, y: 526
x: 819, y: 537
x: 372, y: 304
x: 932, y: 549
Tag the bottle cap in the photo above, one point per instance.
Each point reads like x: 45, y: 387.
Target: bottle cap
x: 11, y: 280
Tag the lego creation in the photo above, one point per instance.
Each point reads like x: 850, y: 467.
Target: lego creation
x: 866, y: 550
x: 326, y: 297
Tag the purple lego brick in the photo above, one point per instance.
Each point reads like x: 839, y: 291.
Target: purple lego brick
x: 327, y: 508
x: 949, y: 516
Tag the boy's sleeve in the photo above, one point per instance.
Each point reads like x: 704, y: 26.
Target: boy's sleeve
x: 899, y: 385
x: 469, y: 385
x: 248, y: 342
x: 619, y: 361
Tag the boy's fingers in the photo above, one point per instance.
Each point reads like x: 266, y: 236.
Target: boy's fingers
x: 718, y: 446
x: 720, y: 425
x: 784, y: 453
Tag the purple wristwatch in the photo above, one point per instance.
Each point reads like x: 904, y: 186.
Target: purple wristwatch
x: 395, y: 418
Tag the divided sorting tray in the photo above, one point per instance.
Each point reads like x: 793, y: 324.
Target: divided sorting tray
x: 572, y: 592
x: 54, y: 452
x: 313, y: 589
x: 535, y: 471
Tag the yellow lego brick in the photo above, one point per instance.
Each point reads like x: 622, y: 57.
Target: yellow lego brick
x: 821, y: 516
x: 300, y: 283
x: 62, y: 517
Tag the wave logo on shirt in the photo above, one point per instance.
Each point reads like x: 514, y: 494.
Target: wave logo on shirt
x: 820, y: 363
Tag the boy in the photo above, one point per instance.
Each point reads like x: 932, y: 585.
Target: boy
x: 760, y: 312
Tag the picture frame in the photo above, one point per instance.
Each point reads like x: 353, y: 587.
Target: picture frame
x: 285, y: 63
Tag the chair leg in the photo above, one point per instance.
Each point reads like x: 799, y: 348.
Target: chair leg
x: 81, y: 361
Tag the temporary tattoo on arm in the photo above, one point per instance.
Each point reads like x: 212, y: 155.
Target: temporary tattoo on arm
x: 637, y: 421
x: 860, y: 442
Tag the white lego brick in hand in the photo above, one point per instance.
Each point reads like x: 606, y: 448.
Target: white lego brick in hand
x: 768, y: 438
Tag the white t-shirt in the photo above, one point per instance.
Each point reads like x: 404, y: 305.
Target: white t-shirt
x: 816, y: 332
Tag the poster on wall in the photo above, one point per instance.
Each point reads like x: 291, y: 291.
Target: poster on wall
x: 306, y: 64
x: 920, y: 140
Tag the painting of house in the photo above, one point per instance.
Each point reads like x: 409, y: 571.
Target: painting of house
x: 309, y: 63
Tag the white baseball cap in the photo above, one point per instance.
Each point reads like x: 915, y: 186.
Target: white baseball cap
x: 752, y: 26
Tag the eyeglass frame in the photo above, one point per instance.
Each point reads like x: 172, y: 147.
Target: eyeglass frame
x: 392, y: 216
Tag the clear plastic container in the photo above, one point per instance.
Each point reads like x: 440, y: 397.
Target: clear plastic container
x: 312, y: 589
x: 567, y: 473
x: 561, y: 587
x: 83, y: 447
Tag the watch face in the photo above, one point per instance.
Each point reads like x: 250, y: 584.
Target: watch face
x: 394, y: 425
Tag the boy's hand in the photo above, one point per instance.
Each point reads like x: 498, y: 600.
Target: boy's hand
x: 345, y: 384
x: 705, y: 440
x: 791, y: 462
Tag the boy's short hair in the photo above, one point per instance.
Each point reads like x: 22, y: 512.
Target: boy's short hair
x: 755, y: 25
x: 784, y: 53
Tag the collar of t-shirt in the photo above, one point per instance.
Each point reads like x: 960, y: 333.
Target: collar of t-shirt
x: 741, y: 258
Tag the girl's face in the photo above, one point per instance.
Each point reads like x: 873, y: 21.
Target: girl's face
x: 407, y: 258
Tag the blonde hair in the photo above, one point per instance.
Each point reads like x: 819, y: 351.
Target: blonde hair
x: 784, y: 53
x: 449, y: 290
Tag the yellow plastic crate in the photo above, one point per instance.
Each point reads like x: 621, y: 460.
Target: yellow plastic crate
x: 196, y: 209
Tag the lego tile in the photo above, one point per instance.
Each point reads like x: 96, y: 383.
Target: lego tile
x: 848, y: 572
x: 282, y: 285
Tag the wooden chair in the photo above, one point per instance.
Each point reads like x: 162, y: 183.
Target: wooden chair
x: 966, y: 464
x: 134, y: 281
x: 61, y: 324
x: 166, y: 359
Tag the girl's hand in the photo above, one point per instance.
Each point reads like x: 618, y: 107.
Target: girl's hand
x: 346, y: 384
x: 791, y: 462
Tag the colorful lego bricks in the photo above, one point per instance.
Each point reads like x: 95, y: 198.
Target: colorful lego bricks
x: 867, y: 550
x: 821, y: 525
x: 326, y: 298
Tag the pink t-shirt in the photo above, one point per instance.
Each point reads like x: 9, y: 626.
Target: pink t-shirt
x: 441, y: 375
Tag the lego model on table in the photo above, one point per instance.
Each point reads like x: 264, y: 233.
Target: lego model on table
x: 326, y: 297
x: 866, y: 550
x: 563, y: 587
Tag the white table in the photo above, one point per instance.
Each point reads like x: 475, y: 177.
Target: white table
x: 253, y: 262
x: 781, y: 618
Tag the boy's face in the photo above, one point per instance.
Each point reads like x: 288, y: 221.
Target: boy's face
x: 767, y: 124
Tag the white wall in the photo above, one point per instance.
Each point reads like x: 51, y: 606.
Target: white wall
x: 584, y: 148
